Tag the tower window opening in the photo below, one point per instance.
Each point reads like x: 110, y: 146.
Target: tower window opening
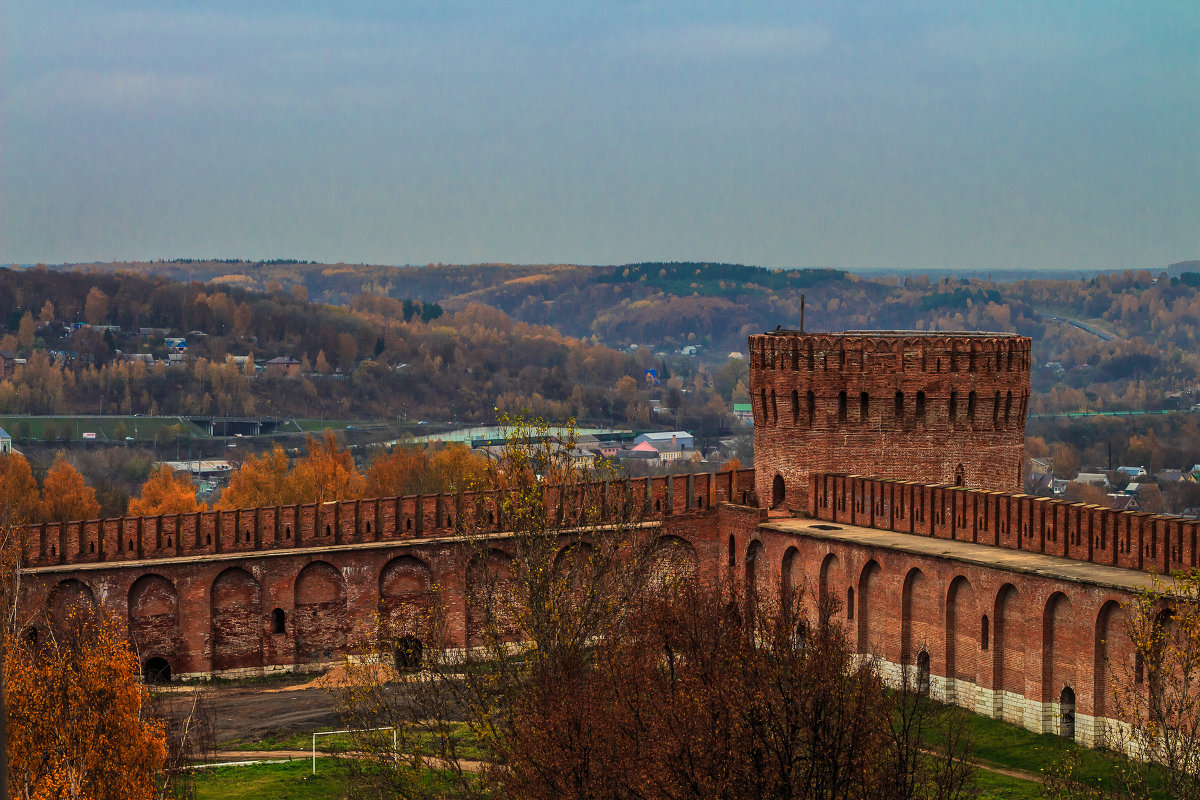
x: 864, y: 406
x: 277, y: 621
x: 971, y: 407
x: 1007, y: 407
x: 812, y: 407
x: 984, y: 632
x: 899, y: 405
x: 841, y: 406
x: 774, y: 408
x: 953, y: 407
x: 921, y: 406
x: 850, y: 603
x: 795, y: 407
x: 996, y: 410
x: 762, y: 401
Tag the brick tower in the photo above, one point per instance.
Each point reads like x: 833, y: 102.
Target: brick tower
x: 935, y: 407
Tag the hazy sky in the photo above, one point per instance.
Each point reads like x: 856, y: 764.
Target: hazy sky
x: 977, y: 134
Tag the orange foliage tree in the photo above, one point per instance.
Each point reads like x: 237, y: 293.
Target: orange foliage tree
x: 165, y: 492
x: 261, y: 480
x: 404, y: 470
x: 79, y: 723
x: 65, y: 496
x: 18, y: 490
x: 412, y: 470
x: 326, y: 472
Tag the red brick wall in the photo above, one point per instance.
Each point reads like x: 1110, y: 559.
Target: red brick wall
x: 1130, y: 539
x: 1043, y: 634
x: 809, y: 392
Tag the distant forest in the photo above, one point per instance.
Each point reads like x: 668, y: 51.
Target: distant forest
x: 1125, y: 340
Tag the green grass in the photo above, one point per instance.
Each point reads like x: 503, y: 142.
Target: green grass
x: 287, y: 780
x: 1001, y: 787
x: 318, y: 425
x: 1003, y: 744
x: 142, y: 428
x: 464, y: 739
x: 279, y: 781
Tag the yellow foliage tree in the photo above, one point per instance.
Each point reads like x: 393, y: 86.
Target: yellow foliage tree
x: 165, y: 492
x: 326, y: 472
x: 65, y: 496
x: 18, y: 490
x: 456, y: 467
x: 403, y: 471
x: 95, y: 307
x: 79, y: 724
x: 261, y: 480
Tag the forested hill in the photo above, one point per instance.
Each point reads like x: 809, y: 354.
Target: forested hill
x: 109, y: 342
x: 1115, y: 341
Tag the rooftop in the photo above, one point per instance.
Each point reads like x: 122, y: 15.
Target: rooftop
x: 889, y: 334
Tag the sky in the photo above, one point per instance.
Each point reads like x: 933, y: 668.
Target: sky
x: 889, y: 134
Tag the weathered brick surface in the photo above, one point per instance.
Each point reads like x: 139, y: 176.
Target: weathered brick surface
x: 272, y: 588
x: 937, y: 408
x: 1081, y: 532
x: 1043, y: 634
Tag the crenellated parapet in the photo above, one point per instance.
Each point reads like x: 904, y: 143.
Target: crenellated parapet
x: 318, y: 525
x: 916, y: 405
x: 1104, y: 536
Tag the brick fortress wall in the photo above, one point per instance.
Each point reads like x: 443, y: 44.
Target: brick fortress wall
x: 253, y: 590
x: 932, y: 407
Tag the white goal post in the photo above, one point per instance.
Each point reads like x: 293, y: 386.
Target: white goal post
x: 353, y: 730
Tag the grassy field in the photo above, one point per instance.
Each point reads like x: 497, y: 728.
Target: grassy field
x: 460, y: 732
x: 287, y: 780
x: 68, y: 428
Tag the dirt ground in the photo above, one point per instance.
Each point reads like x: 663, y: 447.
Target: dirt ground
x: 253, y: 711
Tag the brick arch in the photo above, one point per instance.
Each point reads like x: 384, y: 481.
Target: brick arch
x: 830, y: 581
x: 489, y: 612
x: 964, y: 625
x: 320, y: 618
x: 1113, y: 663
x: 1008, y: 654
x: 235, y: 605
x: 154, y: 617
x: 871, y: 606
x: 405, y: 589
x: 1059, y: 656
x: 756, y: 573
x: 791, y: 573
x: 66, y: 598
x: 672, y: 558
x: 918, y: 613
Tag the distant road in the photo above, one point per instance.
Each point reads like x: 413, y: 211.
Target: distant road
x: 1076, y: 414
x: 1086, y: 326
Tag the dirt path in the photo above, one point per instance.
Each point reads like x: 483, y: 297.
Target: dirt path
x: 277, y: 755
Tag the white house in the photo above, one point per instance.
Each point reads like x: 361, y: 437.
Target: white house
x: 681, y: 439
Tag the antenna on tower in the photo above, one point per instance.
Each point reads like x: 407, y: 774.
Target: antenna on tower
x: 802, y: 313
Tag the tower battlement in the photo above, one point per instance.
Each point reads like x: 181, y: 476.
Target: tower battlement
x: 910, y: 405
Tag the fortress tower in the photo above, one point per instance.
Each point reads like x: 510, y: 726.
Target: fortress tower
x: 934, y: 407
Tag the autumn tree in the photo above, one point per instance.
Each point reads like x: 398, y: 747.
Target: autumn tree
x: 401, y: 471
x: 79, y: 723
x: 65, y: 496
x: 533, y: 608
x: 325, y: 472
x: 165, y: 491
x: 26, y: 330
x: 95, y: 307
x: 18, y: 490
x: 47, y: 313
x: 261, y: 480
